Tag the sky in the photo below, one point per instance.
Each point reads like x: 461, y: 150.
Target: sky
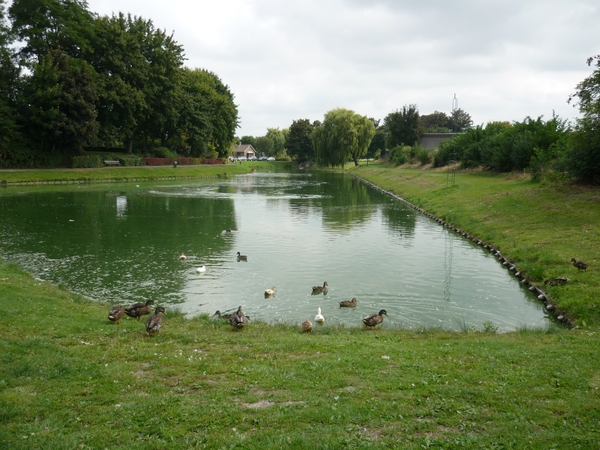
x: 289, y: 60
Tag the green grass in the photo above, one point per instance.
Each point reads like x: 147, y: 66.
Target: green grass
x: 138, y: 173
x: 538, y: 227
x: 71, y: 379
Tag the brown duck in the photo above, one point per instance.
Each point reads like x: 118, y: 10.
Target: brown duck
x: 579, y: 264
x: 348, y: 303
x: 138, y: 310
x: 155, y: 322
x: 559, y: 281
x: 238, y: 320
x: 115, y: 314
x: 320, y: 288
x: 375, y: 319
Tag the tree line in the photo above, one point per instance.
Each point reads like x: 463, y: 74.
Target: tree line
x: 71, y: 79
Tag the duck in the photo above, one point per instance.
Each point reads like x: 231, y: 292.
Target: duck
x: 115, y: 314
x: 319, y: 317
x: 241, y: 257
x: 220, y: 315
x: 307, y: 326
x: 227, y: 230
x: 182, y: 257
x: 138, y: 310
x: 348, y: 303
x: 154, y: 322
x: 375, y: 319
x: 320, y: 288
x: 238, y: 320
x: 270, y: 292
x: 201, y: 269
x: 579, y: 264
x: 560, y: 281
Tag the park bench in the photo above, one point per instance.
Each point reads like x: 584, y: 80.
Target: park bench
x: 112, y: 163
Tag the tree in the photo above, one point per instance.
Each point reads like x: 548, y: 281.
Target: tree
x: 248, y: 140
x: 584, y: 154
x: 343, y: 135
x: 460, y: 121
x: 403, y: 126
x: 377, y: 145
x: 436, y: 122
x: 298, y: 143
x: 43, y: 25
x: 57, y: 106
x: 277, y: 136
x: 264, y: 145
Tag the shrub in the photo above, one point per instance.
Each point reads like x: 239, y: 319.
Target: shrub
x: 86, y: 161
x: 424, y: 156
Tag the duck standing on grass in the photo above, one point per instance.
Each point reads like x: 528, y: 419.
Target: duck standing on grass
x: 375, y: 319
x: 138, y: 310
x: 155, y: 322
x: 580, y: 265
x: 238, y: 320
x: 115, y: 314
x: 559, y: 281
x: 307, y: 326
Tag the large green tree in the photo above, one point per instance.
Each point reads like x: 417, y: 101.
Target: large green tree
x: 584, y: 154
x: 299, y: 143
x: 459, y: 121
x: 403, y: 126
x: 436, y: 122
x: 277, y: 136
x: 343, y: 135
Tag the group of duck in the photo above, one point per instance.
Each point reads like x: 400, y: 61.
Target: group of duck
x: 136, y: 311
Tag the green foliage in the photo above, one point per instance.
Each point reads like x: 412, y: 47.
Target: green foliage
x: 163, y: 152
x: 459, y: 121
x: 343, y: 135
x: 403, y: 126
x: 86, y: 161
x: 299, y: 143
x: 398, y: 156
x: 424, y: 156
x: 437, y: 122
x: 278, y: 138
x: 377, y: 145
x: 264, y: 145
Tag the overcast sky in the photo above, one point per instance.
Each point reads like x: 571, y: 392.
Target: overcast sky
x: 290, y: 60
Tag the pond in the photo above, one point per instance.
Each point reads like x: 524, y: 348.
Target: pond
x: 122, y: 243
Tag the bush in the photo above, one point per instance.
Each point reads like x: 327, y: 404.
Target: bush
x: 397, y: 155
x: 164, y: 152
x: 86, y: 161
x: 424, y: 156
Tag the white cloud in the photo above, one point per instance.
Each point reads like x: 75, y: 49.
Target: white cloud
x: 505, y: 60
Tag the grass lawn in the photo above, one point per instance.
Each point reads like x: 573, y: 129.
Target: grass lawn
x: 70, y: 379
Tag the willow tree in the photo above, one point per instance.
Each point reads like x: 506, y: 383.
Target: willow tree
x: 342, y: 135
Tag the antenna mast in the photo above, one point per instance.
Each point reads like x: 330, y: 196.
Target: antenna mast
x: 454, y: 103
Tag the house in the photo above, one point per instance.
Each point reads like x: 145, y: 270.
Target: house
x: 433, y: 140
x: 245, y: 150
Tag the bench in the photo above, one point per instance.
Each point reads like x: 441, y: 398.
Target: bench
x: 112, y: 163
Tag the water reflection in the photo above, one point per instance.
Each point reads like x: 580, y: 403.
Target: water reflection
x: 298, y: 231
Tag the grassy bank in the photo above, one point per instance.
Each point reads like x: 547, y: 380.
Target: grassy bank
x: 69, y: 378
x: 138, y: 173
x: 538, y: 227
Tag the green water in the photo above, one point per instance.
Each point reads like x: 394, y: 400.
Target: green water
x: 121, y: 243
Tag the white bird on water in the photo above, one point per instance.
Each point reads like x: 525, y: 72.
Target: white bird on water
x: 201, y: 269
x: 319, y: 317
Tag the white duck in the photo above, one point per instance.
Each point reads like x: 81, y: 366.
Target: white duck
x: 270, y: 292
x: 201, y: 269
x: 182, y: 257
x: 319, y: 317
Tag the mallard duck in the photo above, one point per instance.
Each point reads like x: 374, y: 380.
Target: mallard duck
x: 320, y: 288
x: 201, y: 269
x: 220, y: 315
x: 348, y: 303
x: 238, y: 320
x: 154, y: 322
x: 241, y: 257
x: 319, y: 317
x: 115, y: 313
x: 227, y: 230
x: 307, y: 326
x: 579, y: 264
x: 138, y: 310
x: 375, y: 319
x: 560, y: 281
x: 270, y: 292
x: 182, y: 257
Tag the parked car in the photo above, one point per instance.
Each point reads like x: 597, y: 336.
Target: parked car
x: 252, y: 158
x: 271, y: 158
x: 241, y: 158
x: 262, y: 158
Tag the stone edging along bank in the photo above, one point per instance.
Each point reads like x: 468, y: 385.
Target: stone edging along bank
x: 559, y: 315
x: 4, y: 183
